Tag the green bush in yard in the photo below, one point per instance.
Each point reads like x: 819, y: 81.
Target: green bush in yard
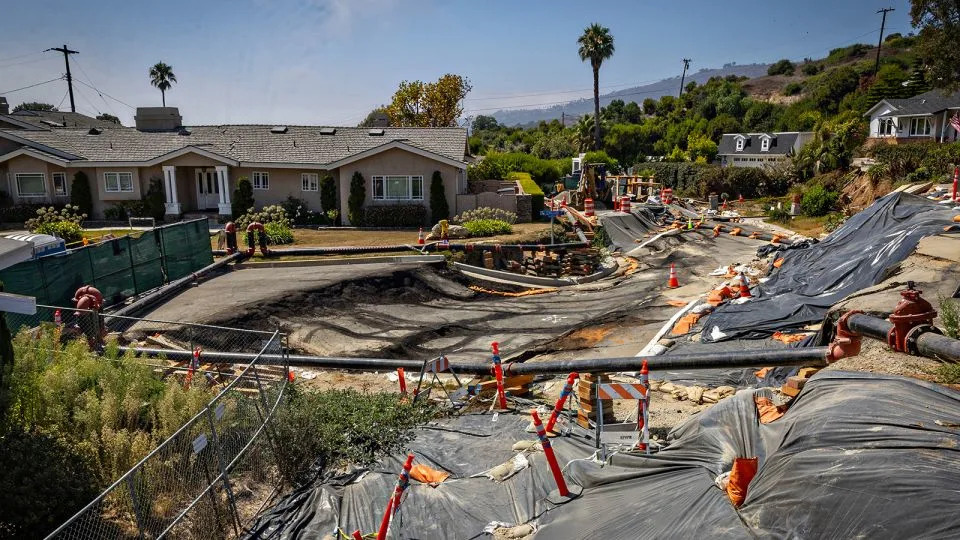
x: 439, y: 209
x: 485, y: 212
x: 275, y: 223
x: 80, y: 194
x: 818, y: 201
x: 242, y: 197
x: 278, y: 233
x: 949, y: 316
x: 487, y: 227
x: 358, y: 195
x: 395, y: 215
x: 530, y: 188
x: 328, y: 193
x: 778, y: 215
x: 319, y: 430
x: 64, y: 223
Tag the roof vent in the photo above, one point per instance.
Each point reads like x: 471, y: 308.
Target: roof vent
x: 94, y: 131
x: 328, y: 131
x: 185, y: 132
x: 375, y: 132
x: 278, y: 129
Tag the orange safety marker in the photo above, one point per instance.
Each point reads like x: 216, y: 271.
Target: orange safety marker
x: 562, y: 494
x: 194, y: 364
x: 588, y: 207
x: 740, y: 199
x: 290, y: 375
x: 356, y: 535
x: 736, y: 231
x: 625, y: 204
x: 393, y: 504
x: 558, y: 406
x: 716, y: 230
x: 498, y: 373
x: 420, y: 240
x: 673, y: 283
x: 403, y: 381
x: 744, y: 288
x: 644, y: 407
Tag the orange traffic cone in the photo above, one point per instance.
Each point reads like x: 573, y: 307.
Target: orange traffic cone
x: 740, y: 199
x: 420, y: 237
x: 673, y: 283
x: 744, y: 288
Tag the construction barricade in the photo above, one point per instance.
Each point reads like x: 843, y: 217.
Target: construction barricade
x: 635, y: 434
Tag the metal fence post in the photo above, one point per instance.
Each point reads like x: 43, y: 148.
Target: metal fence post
x: 131, y: 486
x: 223, y: 471
x: 133, y: 268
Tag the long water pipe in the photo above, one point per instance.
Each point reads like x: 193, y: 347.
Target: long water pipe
x: 929, y: 344
x: 346, y: 250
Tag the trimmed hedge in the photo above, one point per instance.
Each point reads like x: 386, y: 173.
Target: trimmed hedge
x: 487, y: 227
x: 683, y: 177
x: 530, y: 188
x: 399, y: 215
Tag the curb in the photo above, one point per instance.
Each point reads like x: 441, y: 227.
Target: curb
x: 608, y: 267
x: 395, y: 259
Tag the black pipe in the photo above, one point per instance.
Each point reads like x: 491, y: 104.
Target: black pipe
x: 348, y: 250
x: 813, y: 356
x: 165, y: 291
x: 929, y: 344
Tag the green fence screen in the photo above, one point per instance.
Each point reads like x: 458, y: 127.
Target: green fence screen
x: 119, y: 268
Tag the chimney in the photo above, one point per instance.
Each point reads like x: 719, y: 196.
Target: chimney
x: 4, y: 106
x: 158, y: 119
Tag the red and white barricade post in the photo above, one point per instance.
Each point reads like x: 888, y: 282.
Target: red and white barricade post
x: 393, y: 504
x: 561, y: 401
x: 564, y: 491
x: 666, y: 195
x: 498, y: 373
x: 636, y: 434
x: 441, y: 364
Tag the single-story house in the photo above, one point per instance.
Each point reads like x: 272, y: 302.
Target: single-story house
x: 923, y: 117
x: 199, y: 165
x: 760, y: 149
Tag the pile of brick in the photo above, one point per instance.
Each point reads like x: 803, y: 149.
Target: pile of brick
x: 795, y: 384
x: 580, y: 262
x: 587, y: 392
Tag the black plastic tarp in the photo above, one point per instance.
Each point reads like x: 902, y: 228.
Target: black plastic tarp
x: 856, y: 456
x: 625, y: 230
x: 856, y: 256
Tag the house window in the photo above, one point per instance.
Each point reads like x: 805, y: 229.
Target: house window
x: 117, y: 182
x: 398, y: 188
x: 310, y: 182
x: 59, y: 183
x: 886, y: 127
x: 919, y: 127
x: 31, y: 184
x: 764, y: 144
x: 261, y: 180
x: 739, y: 144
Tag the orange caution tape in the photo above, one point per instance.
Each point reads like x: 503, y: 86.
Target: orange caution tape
x: 788, y: 338
x: 426, y: 475
x: 778, y: 263
x: 685, y: 323
x: 766, y: 410
x: 744, y: 469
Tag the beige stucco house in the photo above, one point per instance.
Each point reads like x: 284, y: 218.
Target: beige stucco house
x: 199, y: 165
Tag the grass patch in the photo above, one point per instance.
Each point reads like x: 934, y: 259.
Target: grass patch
x: 949, y: 316
x: 947, y: 373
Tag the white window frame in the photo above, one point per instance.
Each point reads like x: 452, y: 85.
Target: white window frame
x: 764, y: 144
x: 381, y: 194
x: 309, y: 182
x: 62, y: 190
x: 20, y: 192
x: 739, y: 144
x: 914, y: 124
x: 886, y: 127
x: 117, y: 175
x: 260, y: 180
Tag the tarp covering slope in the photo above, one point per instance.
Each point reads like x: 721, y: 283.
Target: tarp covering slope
x: 810, y: 281
x: 856, y: 456
x: 626, y: 229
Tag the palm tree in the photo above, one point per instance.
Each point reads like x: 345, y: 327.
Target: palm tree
x: 161, y: 76
x: 596, y: 45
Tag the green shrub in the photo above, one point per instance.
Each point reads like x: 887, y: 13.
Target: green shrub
x: 781, y: 67
x: 778, y: 215
x: 949, y: 316
x: 319, y: 430
x: 834, y: 221
x: 278, y: 233
x: 358, y: 195
x: 530, y: 188
x: 496, y: 166
x: 65, y: 223
x: 487, y: 227
x: 947, y: 373
x: 328, y: 193
x: 485, y: 212
x: 842, y: 54
x: 439, y: 209
x: 792, y: 89
x: 80, y: 194
x: 242, y: 197
x: 810, y: 69
x: 395, y: 215
x: 300, y: 214
x: 268, y: 214
x: 601, y: 238
x: 19, y: 213
x: 818, y: 201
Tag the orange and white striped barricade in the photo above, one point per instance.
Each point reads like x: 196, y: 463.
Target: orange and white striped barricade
x: 636, y: 434
x: 441, y: 364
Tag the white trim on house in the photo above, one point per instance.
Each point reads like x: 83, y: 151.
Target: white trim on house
x: 409, y: 195
x: 402, y: 146
x: 260, y: 180
x: 21, y: 194
x: 118, y: 177
x: 38, y: 146
x: 309, y: 181
x: 191, y: 150
x: 53, y: 179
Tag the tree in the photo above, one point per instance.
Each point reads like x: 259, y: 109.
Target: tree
x: 34, y: 106
x: 358, y: 195
x: 109, y: 118
x: 596, y: 45
x: 700, y: 146
x: 782, y: 67
x: 438, y: 199
x: 582, y: 132
x: 939, y: 23
x: 917, y: 82
x: 154, y: 201
x: 649, y: 106
x: 377, y: 118
x: 436, y: 104
x: 484, y: 123
x: 328, y: 193
x: 80, y: 195
x: 242, y: 197
x: 162, y: 77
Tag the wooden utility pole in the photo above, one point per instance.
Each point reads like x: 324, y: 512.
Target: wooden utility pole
x: 883, y: 23
x: 66, y: 58
x: 686, y: 64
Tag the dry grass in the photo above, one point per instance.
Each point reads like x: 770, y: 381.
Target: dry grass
x: 807, y: 226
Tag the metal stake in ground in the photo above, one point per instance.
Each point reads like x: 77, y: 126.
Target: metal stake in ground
x: 563, y: 493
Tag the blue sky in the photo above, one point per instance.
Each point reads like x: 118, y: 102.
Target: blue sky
x: 331, y: 61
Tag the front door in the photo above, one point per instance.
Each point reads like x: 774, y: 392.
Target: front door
x: 208, y: 189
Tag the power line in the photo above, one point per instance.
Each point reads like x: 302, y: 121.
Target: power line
x: 61, y: 100
x: 22, y: 62
x: 32, y: 85
x: 66, y: 60
x: 99, y: 93
x: 7, y: 59
x: 90, y: 86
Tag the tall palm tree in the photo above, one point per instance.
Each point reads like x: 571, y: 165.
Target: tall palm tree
x: 596, y: 45
x: 161, y: 76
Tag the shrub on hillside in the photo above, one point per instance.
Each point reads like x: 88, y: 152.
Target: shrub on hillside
x: 485, y: 212
x: 487, y: 227
x: 399, y: 215
x: 65, y: 223
x: 781, y: 67
x: 841, y: 54
x: 792, y: 89
x: 818, y: 201
x: 810, y: 69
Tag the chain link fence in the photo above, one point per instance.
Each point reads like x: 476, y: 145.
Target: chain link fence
x: 214, y: 473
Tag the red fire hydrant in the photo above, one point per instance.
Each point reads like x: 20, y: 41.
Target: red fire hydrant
x: 911, y: 313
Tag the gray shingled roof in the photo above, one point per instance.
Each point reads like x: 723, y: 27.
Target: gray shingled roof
x: 781, y: 144
x: 247, y: 143
x: 930, y: 102
x: 42, y: 119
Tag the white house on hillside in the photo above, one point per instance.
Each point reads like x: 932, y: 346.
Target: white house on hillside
x: 928, y: 116
x: 759, y: 149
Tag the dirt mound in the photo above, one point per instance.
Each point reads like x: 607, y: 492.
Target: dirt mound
x: 863, y: 190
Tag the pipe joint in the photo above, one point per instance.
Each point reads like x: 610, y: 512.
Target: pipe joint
x: 846, y: 342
